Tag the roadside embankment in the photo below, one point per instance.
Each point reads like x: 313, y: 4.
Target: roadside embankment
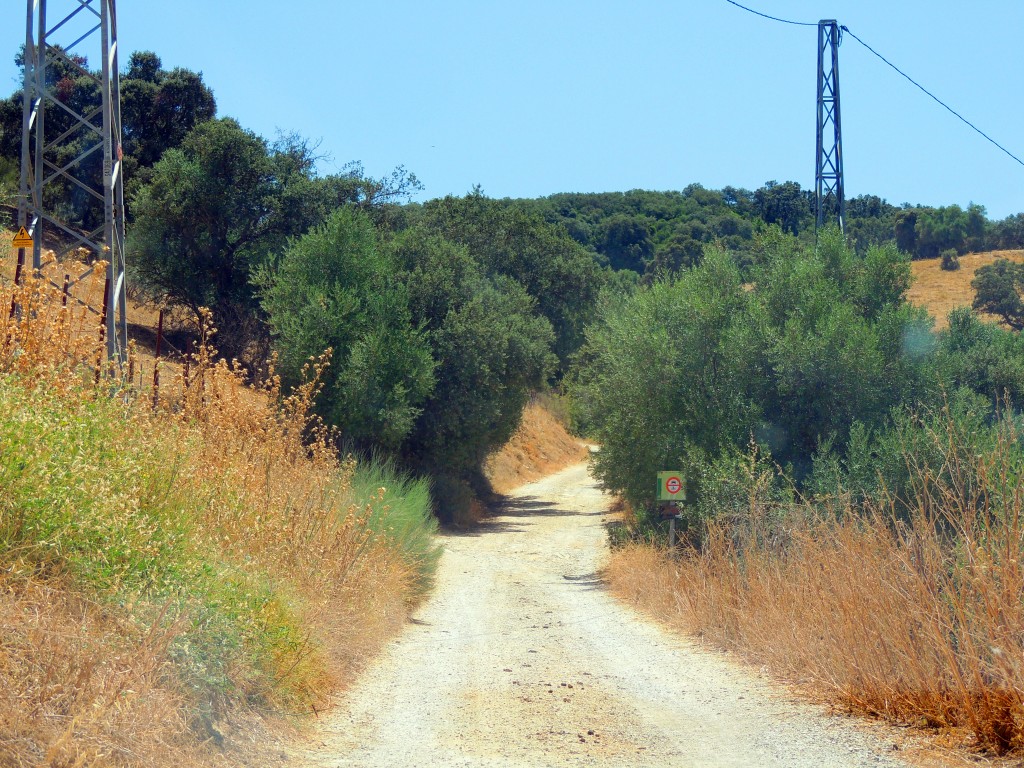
x: 176, y: 570
x: 541, y: 446
x: 913, y: 614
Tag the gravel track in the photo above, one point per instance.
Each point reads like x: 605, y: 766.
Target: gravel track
x: 520, y: 658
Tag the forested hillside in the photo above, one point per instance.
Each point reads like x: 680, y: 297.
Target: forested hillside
x: 660, y: 232
x: 439, y: 319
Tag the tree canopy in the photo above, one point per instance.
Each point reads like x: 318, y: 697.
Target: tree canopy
x: 997, y: 290
x: 703, y: 362
x: 562, y: 277
x: 336, y: 289
x: 158, y: 109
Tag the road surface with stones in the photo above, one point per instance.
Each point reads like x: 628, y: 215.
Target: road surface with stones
x: 521, y: 658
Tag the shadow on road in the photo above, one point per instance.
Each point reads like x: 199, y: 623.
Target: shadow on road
x: 531, y: 506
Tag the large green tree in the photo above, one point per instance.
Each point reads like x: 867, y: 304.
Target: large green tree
x: 434, y: 358
x: 997, y: 290
x: 158, y: 108
x: 691, y: 368
x: 784, y: 204
x: 491, y: 346
x: 203, y: 221
x: 505, y: 240
x: 217, y: 208
x: 666, y: 374
x: 335, y: 288
x: 939, y: 229
x: 1008, y: 233
x: 626, y: 241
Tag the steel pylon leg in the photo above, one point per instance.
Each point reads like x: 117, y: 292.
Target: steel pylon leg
x: 84, y: 30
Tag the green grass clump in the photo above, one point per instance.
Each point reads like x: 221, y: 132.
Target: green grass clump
x: 81, y: 494
x: 90, y: 491
x: 166, y: 559
x: 398, y: 507
x: 86, y: 494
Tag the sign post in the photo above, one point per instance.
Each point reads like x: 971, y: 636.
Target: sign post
x: 671, y: 489
x: 21, y: 241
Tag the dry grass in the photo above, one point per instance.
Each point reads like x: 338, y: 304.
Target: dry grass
x: 88, y: 293
x: 268, y: 591
x: 82, y: 687
x: 917, y: 620
x: 941, y: 291
x: 539, y: 447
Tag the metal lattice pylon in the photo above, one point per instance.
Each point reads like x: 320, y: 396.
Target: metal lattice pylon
x: 828, y: 177
x: 71, y: 164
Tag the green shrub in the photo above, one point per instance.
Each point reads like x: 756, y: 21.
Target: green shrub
x: 491, y: 349
x: 335, y: 288
x: 888, y: 464
x: 399, y: 508
x: 950, y: 260
x: 9, y: 181
x: 743, y: 492
x: 666, y: 370
x: 813, y: 341
x: 982, y: 357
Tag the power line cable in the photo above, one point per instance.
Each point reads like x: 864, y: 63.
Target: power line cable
x: 773, y: 18
x: 924, y: 90
x: 932, y: 96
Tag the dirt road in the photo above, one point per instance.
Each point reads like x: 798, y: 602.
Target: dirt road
x: 521, y: 659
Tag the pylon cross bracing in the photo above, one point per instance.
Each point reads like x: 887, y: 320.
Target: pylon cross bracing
x: 72, y: 185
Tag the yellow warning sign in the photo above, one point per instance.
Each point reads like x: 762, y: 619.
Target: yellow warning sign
x: 23, y: 239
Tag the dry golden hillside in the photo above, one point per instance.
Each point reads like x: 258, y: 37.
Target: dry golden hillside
x: 539, y: 447
x: 941, y: 291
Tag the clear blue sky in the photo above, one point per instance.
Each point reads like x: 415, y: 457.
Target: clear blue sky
x: 530, y: 98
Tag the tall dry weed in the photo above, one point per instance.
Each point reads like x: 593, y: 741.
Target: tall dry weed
x: 281, y: 498
x: 277, y: 552
x: 918, y: 618
x: 43, y: 335
x: 83, y: 687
